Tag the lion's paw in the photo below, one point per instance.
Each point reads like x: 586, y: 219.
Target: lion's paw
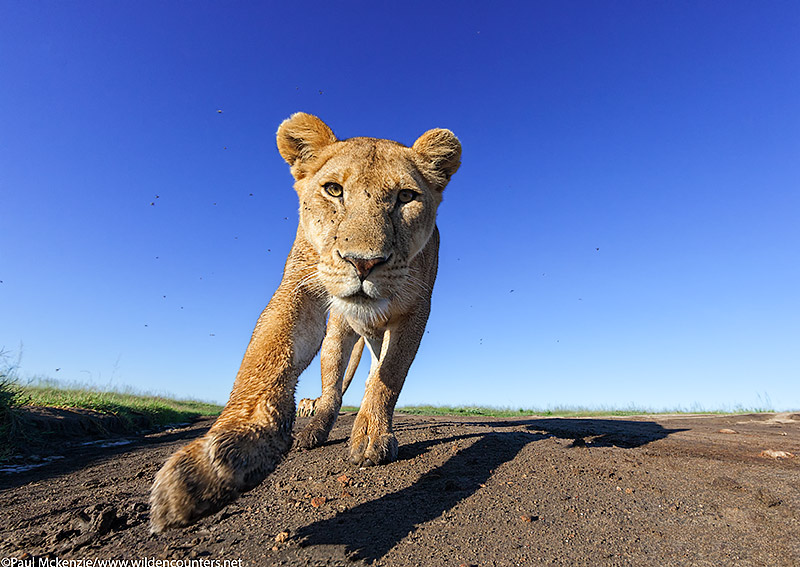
x: 212, y: 471
x: 187, y: 488
x: 366, y: 451
x: 311, y: 437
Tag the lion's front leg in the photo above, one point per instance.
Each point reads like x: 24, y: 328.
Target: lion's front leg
x: 340, y: 354
x: 372, y: 441
x: 254, y: 431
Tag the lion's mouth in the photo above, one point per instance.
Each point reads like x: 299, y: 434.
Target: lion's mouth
x: 359, y: 297
x: 361, y: 307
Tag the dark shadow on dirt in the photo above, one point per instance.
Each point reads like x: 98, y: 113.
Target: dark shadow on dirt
x: 368, y: 538
x: 413, y: 450
x: 329, y: 442
x: 621, y: 433
x: 594, y: 432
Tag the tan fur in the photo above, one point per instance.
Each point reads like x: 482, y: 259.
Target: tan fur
x: 308, y: 407
x: 368, y: 233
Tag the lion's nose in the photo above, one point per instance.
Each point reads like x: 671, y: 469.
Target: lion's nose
x: 364, y: 265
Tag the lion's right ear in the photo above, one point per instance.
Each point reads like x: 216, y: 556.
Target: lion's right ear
x: 441, y: 151
x: 301, y: 137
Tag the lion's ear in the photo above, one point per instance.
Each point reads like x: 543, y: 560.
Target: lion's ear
x: 302, y: 136
x: 442, y: 151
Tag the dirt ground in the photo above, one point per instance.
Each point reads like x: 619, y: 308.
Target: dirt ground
x: 666, y: 490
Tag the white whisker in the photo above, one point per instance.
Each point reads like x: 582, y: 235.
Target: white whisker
x: 310, y: 283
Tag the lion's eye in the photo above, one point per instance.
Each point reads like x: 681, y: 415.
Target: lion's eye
x: 333, y: 189
x: 406, y: 195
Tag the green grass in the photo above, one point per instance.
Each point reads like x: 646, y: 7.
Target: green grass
x: 10, y: 398
x: 559, y: 411
x: 136, y: 411
x: 131, y: 407
x: 506, y: 412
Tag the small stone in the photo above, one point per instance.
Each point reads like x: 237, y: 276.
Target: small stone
x: 282, y: 537
x: 343, y: 479
x: 728, y: 431
x: 769, y: 453
x: 528, y: 518
x: 318, y: 501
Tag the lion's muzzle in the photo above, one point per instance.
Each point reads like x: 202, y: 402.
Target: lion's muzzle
x: 364, y: 266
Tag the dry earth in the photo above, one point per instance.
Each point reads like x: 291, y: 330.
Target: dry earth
x: 666, y: 490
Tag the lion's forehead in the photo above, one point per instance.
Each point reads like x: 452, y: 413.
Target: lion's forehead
x: 369, y: 162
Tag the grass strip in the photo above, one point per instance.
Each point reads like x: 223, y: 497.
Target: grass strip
x: 557, y: 411
x: 10, y: 398
x: 132, y: 408
x: 135, y: 411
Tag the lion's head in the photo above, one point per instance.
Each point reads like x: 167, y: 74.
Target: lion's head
x: 368, y: 207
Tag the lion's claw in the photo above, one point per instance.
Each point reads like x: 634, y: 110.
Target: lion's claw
x: 373, y: 451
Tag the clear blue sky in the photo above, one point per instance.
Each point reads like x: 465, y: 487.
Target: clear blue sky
x: 624, y: 229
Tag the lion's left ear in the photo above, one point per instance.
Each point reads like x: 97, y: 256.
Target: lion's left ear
x: 442, y: 152
x: 301, y: 137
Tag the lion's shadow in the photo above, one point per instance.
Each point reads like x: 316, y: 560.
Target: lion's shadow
x: 368, y: 531
x: 622, y: 433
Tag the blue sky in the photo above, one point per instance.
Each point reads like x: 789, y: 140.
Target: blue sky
x: 623, y: 230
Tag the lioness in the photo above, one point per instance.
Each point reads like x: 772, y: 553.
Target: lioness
x: 365, y: 254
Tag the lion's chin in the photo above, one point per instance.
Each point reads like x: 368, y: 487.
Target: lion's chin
x: 361, y: 307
